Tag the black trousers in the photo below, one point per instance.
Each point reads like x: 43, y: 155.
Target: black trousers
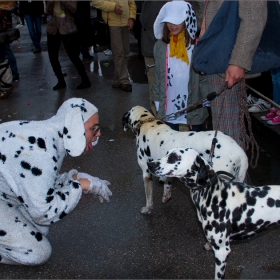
x: 72, y: 47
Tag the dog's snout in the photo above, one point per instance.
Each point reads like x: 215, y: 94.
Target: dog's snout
x: 153, y: 166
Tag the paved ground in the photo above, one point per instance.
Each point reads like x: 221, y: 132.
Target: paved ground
x: 113, y: 240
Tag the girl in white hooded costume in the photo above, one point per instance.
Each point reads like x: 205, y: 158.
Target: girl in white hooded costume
x: 33, y: 194
x: 176, y: 86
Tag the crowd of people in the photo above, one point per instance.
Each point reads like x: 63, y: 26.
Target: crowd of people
x: 170, y: 31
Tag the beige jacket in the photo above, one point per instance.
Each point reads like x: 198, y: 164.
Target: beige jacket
x: 7, y: 5
x: 108, y: 14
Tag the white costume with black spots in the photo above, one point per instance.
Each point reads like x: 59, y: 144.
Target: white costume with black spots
x: 33, y: 194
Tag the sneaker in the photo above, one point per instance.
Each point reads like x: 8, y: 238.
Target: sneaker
x: 260, y: 106
x: 108, y: 52
x: 269, y: 116
x: 274, y: 121
x: 251, y: 100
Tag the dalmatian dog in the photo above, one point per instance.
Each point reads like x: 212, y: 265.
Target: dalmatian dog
x: 154, y: 138
x: 227, y: 210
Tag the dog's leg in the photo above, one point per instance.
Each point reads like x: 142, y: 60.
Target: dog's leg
x: 221, y: 253
x: 148, y: 184
x: 162, y: 179
x: 167, y: 190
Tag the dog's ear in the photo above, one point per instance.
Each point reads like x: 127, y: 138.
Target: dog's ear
x: 125, y: 121
x: 203, y: 171
x: 74, y: 133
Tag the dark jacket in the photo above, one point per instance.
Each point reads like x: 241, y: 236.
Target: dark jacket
x: 64, y: 25
x: 82, y: 20
x: 149, y: 12
x: 31, y: 8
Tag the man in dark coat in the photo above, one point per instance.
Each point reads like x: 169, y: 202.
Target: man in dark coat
x: 82, y: 20
x: 149, y: 12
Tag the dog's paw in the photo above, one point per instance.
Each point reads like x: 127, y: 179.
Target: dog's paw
x: 146, y: 210
x: 166, y: 198
x: 207, y: 247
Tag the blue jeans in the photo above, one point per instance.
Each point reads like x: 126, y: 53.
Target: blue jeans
x: 34, y: 27
x: 12, y: 60
x: 275, y: 74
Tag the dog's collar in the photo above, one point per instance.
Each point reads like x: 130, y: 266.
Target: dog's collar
x: 213, y: 180
x: 140, y: 123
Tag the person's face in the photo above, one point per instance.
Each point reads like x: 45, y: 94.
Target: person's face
x: 176, y: 29
x: 92, y: 131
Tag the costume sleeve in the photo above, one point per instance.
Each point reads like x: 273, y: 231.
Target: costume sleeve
x: 62, y: 196
x: 46, y: 196
x: 105, y: 6
x: 253, y: 16
x: 132, y: 9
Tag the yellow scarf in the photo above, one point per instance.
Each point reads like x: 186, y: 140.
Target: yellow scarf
x: 178, y: 47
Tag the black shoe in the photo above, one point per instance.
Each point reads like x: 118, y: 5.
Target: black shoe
x: 85, y: 58
x: 36, y: 51
x: 61, y: 84
x: 116, y: 85
x: 84, y: 84
x: 126, y: 87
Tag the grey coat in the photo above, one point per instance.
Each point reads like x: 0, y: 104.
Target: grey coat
x: 197, y: 88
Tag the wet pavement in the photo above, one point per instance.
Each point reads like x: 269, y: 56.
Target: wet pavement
x: 113, y: 240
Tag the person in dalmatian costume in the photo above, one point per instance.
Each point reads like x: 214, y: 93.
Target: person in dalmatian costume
x: 176, y: 86
x: 33, y: 195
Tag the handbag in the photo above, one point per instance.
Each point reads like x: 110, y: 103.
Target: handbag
x: 214, y: 48
x: 8, y: 34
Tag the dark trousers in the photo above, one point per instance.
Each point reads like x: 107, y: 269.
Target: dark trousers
x: 72, y: 48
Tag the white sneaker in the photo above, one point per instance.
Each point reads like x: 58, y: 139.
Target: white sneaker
x: 260, y: 106
x: 251, y: 100
x: 108, y: 52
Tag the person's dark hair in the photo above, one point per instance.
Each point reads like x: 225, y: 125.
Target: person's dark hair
x: 166, y: 37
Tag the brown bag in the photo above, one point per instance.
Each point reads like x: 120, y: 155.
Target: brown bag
x: 5, y: 23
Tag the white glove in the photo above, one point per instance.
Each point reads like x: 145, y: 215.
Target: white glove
x: 97, y: 186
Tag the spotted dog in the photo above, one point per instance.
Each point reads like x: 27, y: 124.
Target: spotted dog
x: 227, y: 210
x: 154, y: 138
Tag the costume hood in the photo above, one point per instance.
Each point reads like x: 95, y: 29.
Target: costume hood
x: 176, y: 12
x: 72, y: 115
